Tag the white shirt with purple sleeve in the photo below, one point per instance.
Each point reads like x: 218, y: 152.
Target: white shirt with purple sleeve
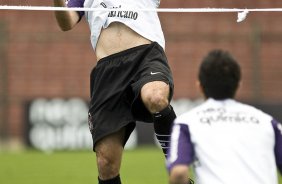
x: 228, y: 142
x: 145, y: 23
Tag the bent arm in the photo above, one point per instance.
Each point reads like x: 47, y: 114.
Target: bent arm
x: 66, y: 19
x: 181, y: 154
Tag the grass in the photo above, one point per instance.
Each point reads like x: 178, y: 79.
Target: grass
x: 143, y: 165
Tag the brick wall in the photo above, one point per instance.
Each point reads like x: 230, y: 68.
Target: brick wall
x: 38, y: 60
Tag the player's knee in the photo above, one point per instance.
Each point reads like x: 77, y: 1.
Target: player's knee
x: 108, y: 167
x: 155, y: 95
x: 155, y: 102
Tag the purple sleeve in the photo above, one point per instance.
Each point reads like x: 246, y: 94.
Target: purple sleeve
x: 181, y: 148
x: 278, y: 143
x: 76, y: 4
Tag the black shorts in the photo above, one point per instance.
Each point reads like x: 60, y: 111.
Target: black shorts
x: 115, y: 87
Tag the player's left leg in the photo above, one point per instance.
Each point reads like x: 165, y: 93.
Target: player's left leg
x: 155, y: 96
x: 109, y: 155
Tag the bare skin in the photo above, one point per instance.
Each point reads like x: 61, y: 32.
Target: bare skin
x: 116, y: 38
x: 179, y: 175
x: 109, y: 155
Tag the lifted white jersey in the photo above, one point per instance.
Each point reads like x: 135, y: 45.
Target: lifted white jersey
x: 229, y: 143
x: 145, y: 23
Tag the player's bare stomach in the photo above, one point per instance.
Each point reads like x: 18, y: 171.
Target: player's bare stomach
x: 116, y: 38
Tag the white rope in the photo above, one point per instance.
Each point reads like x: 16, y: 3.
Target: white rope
x: 242, y: 13
x: 176, y: 10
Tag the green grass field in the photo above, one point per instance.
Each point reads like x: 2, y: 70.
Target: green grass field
x: 142, y: 165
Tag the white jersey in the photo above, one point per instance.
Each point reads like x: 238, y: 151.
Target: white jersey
x: 229, y: 143
x: 145, y: 23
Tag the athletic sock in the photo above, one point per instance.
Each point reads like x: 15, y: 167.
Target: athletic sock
x: 191, y: 181
x: 115, y: 180
x: 163, y: 121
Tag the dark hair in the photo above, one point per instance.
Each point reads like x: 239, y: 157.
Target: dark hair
x: 219, y: 75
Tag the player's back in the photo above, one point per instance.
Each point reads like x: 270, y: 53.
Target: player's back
x: 233, y: 143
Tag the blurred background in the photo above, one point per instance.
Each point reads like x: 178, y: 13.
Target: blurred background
x: 44, y: 72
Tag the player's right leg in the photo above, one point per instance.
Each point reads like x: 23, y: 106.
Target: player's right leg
x: 155, y: 96
x: 109, y: 155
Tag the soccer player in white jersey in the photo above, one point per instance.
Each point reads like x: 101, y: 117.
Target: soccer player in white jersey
x: 225, y: 141
x: 132, y: 80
